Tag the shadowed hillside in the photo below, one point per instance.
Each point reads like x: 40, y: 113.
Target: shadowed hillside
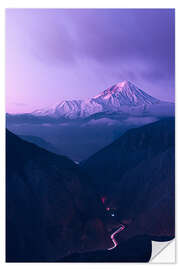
x: 51, y: 211
x: 136, y: 175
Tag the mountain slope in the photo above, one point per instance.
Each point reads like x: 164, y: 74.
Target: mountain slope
x: 129, y: 150
x: 119, y: 97
x: 136, y: 176
x: 79, y: 128
x: 51, y: 211
x: 147, y: 196
x: 39, y: 142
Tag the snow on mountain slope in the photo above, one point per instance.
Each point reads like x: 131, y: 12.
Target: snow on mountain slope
x: 122, y: 97
x: 124, y: 93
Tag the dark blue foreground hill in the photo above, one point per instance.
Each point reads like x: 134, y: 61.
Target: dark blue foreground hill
x: 136, y: 174
x: 137, y: 249
x: 51, y: 211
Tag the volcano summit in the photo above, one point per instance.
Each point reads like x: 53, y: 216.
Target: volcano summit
x: 123, y: 96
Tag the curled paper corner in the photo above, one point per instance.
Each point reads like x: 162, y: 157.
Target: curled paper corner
x: 163, y: 252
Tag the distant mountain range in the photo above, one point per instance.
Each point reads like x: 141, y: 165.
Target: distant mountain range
x: 123, y: 97
x: 79, y: 128
x: 38, y: 141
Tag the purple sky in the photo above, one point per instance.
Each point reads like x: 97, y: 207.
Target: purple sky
x: 56, y: 54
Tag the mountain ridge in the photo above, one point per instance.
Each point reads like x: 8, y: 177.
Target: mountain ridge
x: 47, y: 201
x: 136, y: 175
x: 79, y: 128
x: 115, y: 98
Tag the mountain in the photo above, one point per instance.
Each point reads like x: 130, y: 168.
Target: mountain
x: 151, y: 207
x: 39, y: 142
x: 51, y: 211
x: 136, y: 249
x: 122, y: 97
x: 135, y: 174
x: 132, y: 147
x: 80, y: 128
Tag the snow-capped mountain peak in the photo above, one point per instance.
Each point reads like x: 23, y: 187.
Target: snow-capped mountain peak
x: 122, y: 96
x: 127, y: 94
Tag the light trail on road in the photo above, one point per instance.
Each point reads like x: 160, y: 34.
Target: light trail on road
x: 121, y: 228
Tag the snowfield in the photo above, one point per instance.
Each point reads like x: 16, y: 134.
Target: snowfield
x: 122, y: 97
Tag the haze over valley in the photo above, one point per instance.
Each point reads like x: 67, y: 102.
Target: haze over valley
x: 79, y: 128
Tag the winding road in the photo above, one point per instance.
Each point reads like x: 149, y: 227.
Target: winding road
x: 121, y: 228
